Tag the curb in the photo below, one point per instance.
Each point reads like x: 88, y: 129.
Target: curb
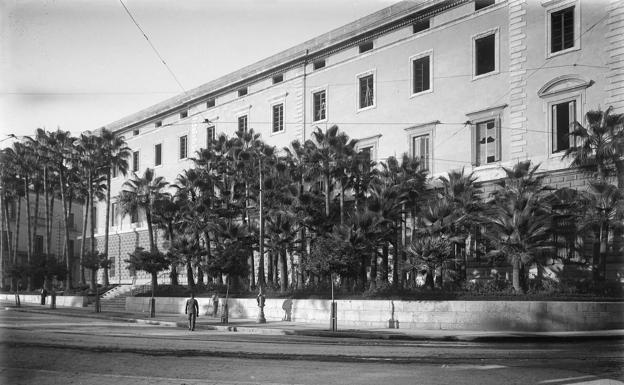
x: 393, y: 336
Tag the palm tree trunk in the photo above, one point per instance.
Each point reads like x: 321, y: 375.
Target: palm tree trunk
x: 373, y: 271
x: 283, y: 267
x: 91, y: 211
x: 619, y: 168
x: 107, y: 226
x: 17, y: 227
x: 150, y: 233
x: 270, y: 267
x: 302, y: 257
x: 7, y: 226
x: 47, y: 216
x: 275, y: 266
x: 517, y: 285
x: 342, y: 192
x: 326, y: 177
x: 395, y: 261
x: 49, y: 225
x: 83, y: 243
x: 29, y: 281
x: 68, y: 281
x: 189, y: 274
x: 384, y: 263
x: 604, y: 241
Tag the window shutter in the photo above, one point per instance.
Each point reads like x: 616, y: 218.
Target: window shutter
x: 572, y: 119
x: 497, y: 122
x: 474, y: 144
x: 554, y: 128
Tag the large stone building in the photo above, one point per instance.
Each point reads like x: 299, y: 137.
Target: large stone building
x: 459, y: 83
x: 16, y: 218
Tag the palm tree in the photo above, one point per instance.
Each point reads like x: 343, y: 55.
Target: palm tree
x: 281, y: 234
x: 115, y: 154
x: 140, y: 193
x: 25, y: 166
x: 604, y: 213
x: 464, y: 197
x: 61, y: 150
x: 325, y: 153
x: 87, y: 158
x: 600, y: 145
x: 520, y: 221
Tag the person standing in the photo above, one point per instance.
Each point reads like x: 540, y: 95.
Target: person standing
x: 192, y: 309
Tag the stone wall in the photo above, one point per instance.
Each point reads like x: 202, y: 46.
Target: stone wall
x: 61, y: 300
x: 426, y: 315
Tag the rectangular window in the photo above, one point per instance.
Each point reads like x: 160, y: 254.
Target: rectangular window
x: 183, y: 147
x: 278, y: 117
x: 563, y: 114
x: 135, y: 132
x: 94, y: 217
x: 366, y: 156
x: 158, y: 124
x: 318, y: 64
x: 420, y: 150
x: 113, y: 214
x: 485, y: 54
x: 365, y: 47
x: 488, y: 142
x: 210, y: 103
x: 420, y: 26
x: 562, y: 30
x: 242, y: 91
x: 70, y: 220
x: 38, y: 244
x: 367, y: 92
x: 421, y: 74
x: 319, y: 105
x: 278, y: 78
x: 480, y: 4
x: 183, y: 114
x: 134, y: 216
x: 12, y: 209
x: 158, y: 154
x: 135, y: 161
x: 5, y: 240
x: 210, y: 135
x: 242, y: 123
x: 111, y: 266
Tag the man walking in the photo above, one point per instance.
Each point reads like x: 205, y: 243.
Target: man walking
x: 192, y: 309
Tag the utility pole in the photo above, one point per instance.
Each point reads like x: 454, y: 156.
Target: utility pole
x: 261, y: 281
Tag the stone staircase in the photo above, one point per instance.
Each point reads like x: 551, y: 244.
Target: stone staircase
x: 115, y: 299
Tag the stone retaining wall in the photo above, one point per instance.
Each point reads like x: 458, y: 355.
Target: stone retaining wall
x: 426, y: 315
x: 61, y: 300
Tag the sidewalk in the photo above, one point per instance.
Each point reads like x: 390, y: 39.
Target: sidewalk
x: 249, y: 326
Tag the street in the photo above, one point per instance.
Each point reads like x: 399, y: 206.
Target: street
x: 44, y: 349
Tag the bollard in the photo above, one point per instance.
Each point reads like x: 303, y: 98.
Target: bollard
x: 333, y: 323
x: 53, y: 300
x: 261, y: 299
x: 153, y: 307
x: 224, y: 313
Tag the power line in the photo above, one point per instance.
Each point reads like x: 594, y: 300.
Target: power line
x: 329, y: 85
x: 152, y: 45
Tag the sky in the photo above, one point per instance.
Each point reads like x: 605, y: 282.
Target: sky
x: 80, y: 64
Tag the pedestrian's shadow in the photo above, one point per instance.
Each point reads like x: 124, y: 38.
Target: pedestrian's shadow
x: 287, y: 306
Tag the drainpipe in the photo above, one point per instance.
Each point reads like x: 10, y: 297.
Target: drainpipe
x: 305, y: 92
x: 118, y: 257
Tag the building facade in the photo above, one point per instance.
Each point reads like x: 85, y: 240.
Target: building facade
x: 14, y: 241
x: 467, y: 84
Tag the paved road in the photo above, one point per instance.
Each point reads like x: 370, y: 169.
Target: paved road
x: 44, y: 349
